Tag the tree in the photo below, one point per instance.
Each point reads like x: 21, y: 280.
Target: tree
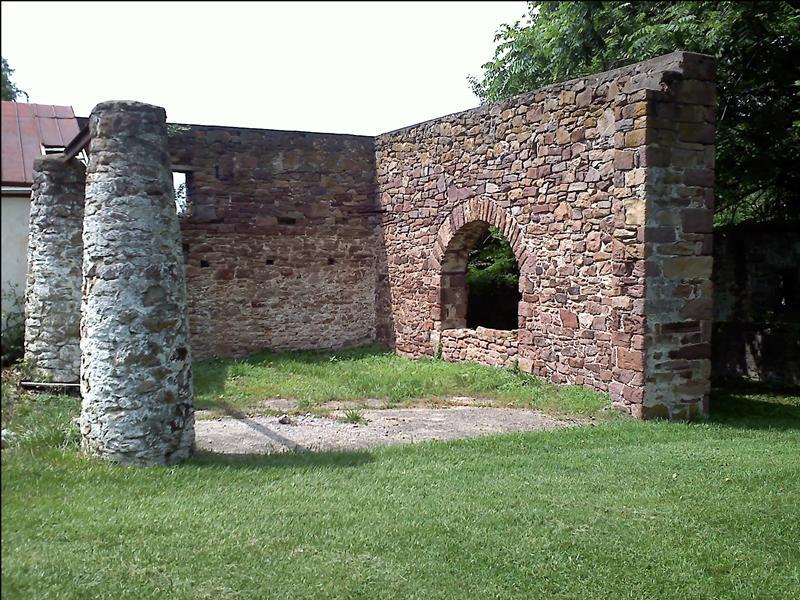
x: 10, y: 91
x: 757, y: 49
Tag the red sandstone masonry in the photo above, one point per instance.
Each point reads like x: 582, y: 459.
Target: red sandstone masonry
x: 281, y: 243
x: 600, y: 184
x: 488, y: 346
x: 603, y: 185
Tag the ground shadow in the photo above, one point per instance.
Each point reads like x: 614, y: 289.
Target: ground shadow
x: 292, y: 455
x: 211, y: 375
x: 283, y: 460
x: 753, y: 405
x: 270, y: 434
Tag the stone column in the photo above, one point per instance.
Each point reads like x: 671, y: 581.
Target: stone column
x: 55, y: 254
x: 136, y: 368
x: 678, y: 235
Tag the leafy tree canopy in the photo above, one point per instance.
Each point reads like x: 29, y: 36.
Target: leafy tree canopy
x: 757, y: 48
x: 10, y: 91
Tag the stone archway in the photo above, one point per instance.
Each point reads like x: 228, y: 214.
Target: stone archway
x: 455, y: 238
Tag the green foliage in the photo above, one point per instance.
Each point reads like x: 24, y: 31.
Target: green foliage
x: 492, y: 259
x: 493, y: 281
x: 9, y: 89
x: 354, y: 417
x: 756, y: 46
x: 12, y: 337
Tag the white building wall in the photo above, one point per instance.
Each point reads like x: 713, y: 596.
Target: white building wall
x: 15, y: 215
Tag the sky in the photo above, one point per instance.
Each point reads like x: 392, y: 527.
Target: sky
x: 340, y: 67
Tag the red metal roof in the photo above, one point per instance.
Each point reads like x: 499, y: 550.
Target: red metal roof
x: 28, y: 127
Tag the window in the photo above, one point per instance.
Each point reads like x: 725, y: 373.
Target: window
x: 51, y: 150
x: 180, y: 184
x: 493, y: 283
x: 480, y: 280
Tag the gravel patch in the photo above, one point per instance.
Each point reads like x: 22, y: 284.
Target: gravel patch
x: 267, y: 435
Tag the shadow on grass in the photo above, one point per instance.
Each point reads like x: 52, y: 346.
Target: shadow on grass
x: 752, y: 405
x: 210, y: 376
x: 283, y: 460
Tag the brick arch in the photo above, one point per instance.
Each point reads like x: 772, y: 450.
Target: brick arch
x: 480, y: 210
x: 455, y: 238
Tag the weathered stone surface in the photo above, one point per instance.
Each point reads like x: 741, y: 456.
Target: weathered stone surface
x: 136, y: 366
x: 300, y: 240
x: 282, y: 241
x: 590, y: 190
x: 494, y: 347
x: 678, y: 286
x: 55, y: 255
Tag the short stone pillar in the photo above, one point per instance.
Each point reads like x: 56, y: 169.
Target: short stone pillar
x: 136, y: 369
x: 55, y: 254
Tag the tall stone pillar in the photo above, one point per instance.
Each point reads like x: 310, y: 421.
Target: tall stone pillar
x: 136, y: 368
x: 55, y: 254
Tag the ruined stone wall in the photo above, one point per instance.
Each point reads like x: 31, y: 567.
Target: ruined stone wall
x: 677, y: 163
x: 566, y: 173
x: 281, y: 241
x: 603, y: 186
x: 494, y: 347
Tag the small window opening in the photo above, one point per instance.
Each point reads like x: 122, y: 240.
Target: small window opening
x: 331, y: 261
x: 180, y: 181
x: 204, y: 263
x: 51, y: 150
x: 479, y: 283
x: 270, y: 261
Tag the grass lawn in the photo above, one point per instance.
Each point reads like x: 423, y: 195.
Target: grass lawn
x: 374, y: 372
x: 622, y: 509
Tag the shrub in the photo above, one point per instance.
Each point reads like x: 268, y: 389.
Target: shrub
x: 12, y: 336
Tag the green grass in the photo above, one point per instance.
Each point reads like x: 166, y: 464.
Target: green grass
x: 353, y: 416
x: 374, y: 372
x: 622, y: 509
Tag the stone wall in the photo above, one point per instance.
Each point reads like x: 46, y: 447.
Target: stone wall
x: 55, y: 256
x: 494, y: 347
x: 580, y: 177
x: 757, y: 303
x: 677, y: 164
x: 603, y: 186
x: 281, y: 241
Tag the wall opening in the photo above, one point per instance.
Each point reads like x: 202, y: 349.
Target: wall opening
x: 180, y: 182
x: 492, y: 283
x: 480, y: 280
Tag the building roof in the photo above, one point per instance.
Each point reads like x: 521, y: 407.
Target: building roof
x: 27, y: 128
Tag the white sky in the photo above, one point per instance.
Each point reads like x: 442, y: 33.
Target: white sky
x: 344, y: 67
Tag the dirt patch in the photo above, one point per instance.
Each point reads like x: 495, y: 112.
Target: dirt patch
x: 266, y: 435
